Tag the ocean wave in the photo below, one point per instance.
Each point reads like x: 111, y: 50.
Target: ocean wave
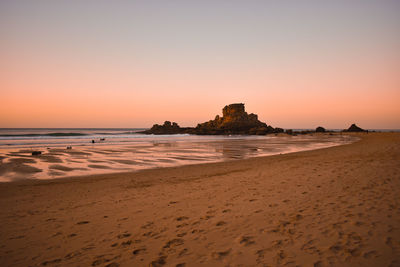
x: 46, y: 134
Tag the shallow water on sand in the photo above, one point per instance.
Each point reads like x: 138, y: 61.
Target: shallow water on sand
x: 122, y: 154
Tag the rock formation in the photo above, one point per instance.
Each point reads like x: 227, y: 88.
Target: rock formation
x: 320, y: 129
x: 166, y: 128
x: 354, y: 128
x: 234, y: 120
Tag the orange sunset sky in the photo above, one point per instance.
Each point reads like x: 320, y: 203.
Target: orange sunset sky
x: 136, y: 63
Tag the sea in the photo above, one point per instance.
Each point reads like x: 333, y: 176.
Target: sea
x: 86, y: 151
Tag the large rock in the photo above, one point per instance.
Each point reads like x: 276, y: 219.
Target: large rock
x: 234, y: 120
x: 320, y: 129
x: 166, y: 128
x: 354, y: 128
x: 233, y: 110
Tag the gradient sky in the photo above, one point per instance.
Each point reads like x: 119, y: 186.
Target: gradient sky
x: 297, y: 64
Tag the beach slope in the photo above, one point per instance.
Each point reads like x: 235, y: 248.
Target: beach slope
x: 338, y: 206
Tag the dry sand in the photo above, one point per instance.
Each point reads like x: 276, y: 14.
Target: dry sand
x: 338, y: 206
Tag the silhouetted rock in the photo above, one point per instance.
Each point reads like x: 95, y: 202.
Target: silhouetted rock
x: 289, y: 131
x: 36, y: 153
x: 320, y: 129
x: 166, y: 128
x: 354, y: 128
x: 234, y: 120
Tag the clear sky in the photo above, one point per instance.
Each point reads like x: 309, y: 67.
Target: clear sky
x: 297, y: 64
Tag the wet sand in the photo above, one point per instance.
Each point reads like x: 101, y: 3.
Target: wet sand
x: 338, y: 206
x: 54, y: 162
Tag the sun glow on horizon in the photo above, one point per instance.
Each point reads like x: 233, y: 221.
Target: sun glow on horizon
x: 135, y: 64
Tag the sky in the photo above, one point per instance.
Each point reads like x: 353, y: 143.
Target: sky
x: 297, y: 64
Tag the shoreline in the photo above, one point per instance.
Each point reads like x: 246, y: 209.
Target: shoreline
x: 60, y: 163
x: 77, y: 178
x: 333, y: 206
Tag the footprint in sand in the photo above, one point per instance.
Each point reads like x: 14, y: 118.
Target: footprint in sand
x: 101, y: 260
x: 182, y: 225
x: 277, y: 244
x: 336, y: 248
x: 211, y: 211
x: 158, y: 262
x: 173, y: 243
x: 51, y: 262
x: 124, y: 235
x: 138, y: 251
x: 56, y: 234
x: 207, y: 217
x: 82, y: 222
x: 183, y: 252
x: 281, y: 255
x: 181, y: 234
x: 147, y: 225
x: 112, y: 264
x: 260, y: 254
x: 18, y: 237
x: 171, y: 246
x: 72, y: 254
x: 389, y: 242
x: 220, y: 255
x: 150, y: 233
x: 246, y: 240
x: 358, y: 223
x: 220, y: 223
x: 126, y: 243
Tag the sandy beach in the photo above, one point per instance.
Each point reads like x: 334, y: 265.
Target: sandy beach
x: 336, y: 206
